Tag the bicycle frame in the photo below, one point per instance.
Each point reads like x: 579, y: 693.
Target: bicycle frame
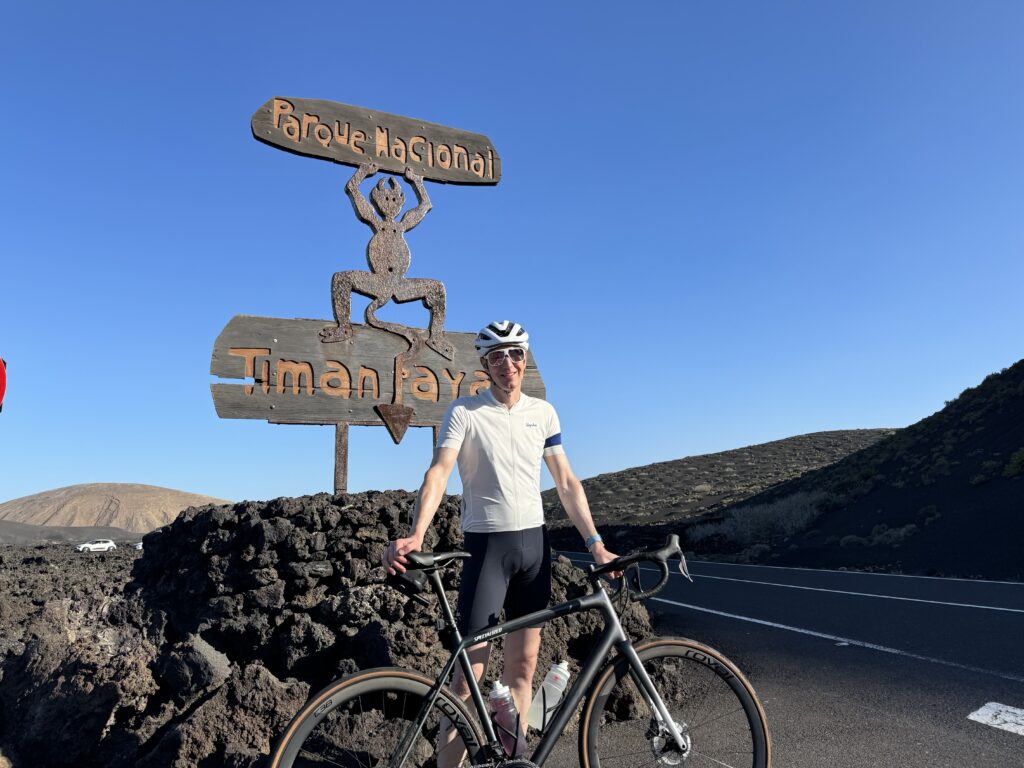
x: 612, y: 636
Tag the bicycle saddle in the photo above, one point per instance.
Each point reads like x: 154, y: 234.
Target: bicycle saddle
x: 426, y: 560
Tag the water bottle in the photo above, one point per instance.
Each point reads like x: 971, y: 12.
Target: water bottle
x: 506, y: 719
x: 548, y: 695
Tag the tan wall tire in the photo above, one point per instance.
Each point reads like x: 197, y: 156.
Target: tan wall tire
x: 707, y: 696
x: 359, y: 719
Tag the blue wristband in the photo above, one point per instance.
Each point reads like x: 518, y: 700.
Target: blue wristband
x: 592, y: 540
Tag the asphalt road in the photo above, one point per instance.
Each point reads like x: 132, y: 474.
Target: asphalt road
x: 860, y: 669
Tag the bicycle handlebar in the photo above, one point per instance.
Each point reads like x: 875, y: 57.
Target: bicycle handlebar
x: 413, y: 583
x: 659, y: 557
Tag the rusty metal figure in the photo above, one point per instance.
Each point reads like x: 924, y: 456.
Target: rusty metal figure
x: 389, y: 258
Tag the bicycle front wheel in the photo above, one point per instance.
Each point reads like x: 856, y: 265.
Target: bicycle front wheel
x: 357, y: 722
x: 708, y: 698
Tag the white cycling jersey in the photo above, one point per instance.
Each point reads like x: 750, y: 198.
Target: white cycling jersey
x: 500, y: 452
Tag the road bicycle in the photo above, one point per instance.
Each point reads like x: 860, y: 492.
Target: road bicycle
x: 662, y: 702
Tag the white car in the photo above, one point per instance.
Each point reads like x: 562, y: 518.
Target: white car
x: 96, y: 545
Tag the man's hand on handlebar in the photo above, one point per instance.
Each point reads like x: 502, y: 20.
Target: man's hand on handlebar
x: 393, y: 558
x: 658, y: 557
x: 602, y: 556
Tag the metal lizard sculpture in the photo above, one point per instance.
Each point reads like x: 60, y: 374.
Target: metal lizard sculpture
x: 388, y: 256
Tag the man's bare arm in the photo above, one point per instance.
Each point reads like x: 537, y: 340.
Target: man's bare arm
x: 427, y: 501
x: 574, y: 500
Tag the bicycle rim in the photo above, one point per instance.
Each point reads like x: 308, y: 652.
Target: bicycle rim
x: 709, y: 700
x: 358, y: 722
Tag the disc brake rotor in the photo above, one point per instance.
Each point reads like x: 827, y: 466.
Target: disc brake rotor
x: 663, y: 746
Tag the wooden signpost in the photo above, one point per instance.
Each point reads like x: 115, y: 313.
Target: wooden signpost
x: 341, y: 373
x: 354, y: 136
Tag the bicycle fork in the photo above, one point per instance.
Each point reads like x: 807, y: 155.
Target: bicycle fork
x: 653, y: 699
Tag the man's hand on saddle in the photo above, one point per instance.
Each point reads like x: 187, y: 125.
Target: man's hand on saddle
x: 393, y: 558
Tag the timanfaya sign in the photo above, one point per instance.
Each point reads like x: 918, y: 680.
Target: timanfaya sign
x: 294, y: 378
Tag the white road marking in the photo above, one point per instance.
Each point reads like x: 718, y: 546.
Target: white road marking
x: 1000, y: 716
x: 861, y: 594
x: 837, y: 638
x: 843, y: 641
x: 839, y: 591
x: 855, y: 573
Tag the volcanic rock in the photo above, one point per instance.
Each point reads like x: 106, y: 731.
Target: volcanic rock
x: 198, y: 650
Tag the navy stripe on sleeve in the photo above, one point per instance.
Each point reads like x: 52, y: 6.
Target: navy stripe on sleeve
x: 553, y: 440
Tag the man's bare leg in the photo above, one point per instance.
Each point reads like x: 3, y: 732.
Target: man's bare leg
x: 521, y: 649
x: 450, y: 754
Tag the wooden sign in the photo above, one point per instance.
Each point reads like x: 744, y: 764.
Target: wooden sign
x: 316, y: 372
x: 296, y: 379
x: 357, y: 136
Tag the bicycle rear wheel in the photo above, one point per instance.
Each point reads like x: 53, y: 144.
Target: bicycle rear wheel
x: 358, y: 721
x: 712, y: 704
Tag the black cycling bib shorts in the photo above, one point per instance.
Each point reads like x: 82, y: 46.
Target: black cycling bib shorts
x: 508, y: 569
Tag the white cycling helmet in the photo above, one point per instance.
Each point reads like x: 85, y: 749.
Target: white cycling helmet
x: 501, y: 333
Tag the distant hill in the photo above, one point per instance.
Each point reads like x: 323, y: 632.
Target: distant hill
x: 131, y: 507
x: 665, y: 496
x: 944, y: 496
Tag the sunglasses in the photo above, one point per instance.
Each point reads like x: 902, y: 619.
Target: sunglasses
x: 497, y: 356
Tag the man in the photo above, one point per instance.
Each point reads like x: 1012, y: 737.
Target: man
x: 498, y: 438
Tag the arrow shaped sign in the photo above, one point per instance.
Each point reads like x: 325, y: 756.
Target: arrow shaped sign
x: 396, y: 418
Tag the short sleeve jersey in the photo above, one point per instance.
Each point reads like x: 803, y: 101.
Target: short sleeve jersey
x: 500, y: 451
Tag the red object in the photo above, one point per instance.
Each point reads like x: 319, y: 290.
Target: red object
x: 3, y: 380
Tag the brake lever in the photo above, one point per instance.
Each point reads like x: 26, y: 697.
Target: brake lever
x: 683, y: 569
x: 633, y: 571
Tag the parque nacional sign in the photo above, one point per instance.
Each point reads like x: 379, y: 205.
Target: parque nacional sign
x: 353, y: 135
x: 341, y: 373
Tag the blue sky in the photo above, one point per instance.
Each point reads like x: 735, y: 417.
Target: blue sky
x: 722, y: 223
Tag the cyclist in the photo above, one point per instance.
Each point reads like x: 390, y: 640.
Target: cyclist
x: 498, y: 438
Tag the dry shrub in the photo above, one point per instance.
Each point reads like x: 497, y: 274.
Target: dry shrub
x: 883, y: 535
x: 1015, y: 465
x: 758, y: 523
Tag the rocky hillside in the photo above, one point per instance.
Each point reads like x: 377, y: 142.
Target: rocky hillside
x: 669, y: 495
x: 197, y: 651
x: 130, y: 507
x: 944, y: 496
